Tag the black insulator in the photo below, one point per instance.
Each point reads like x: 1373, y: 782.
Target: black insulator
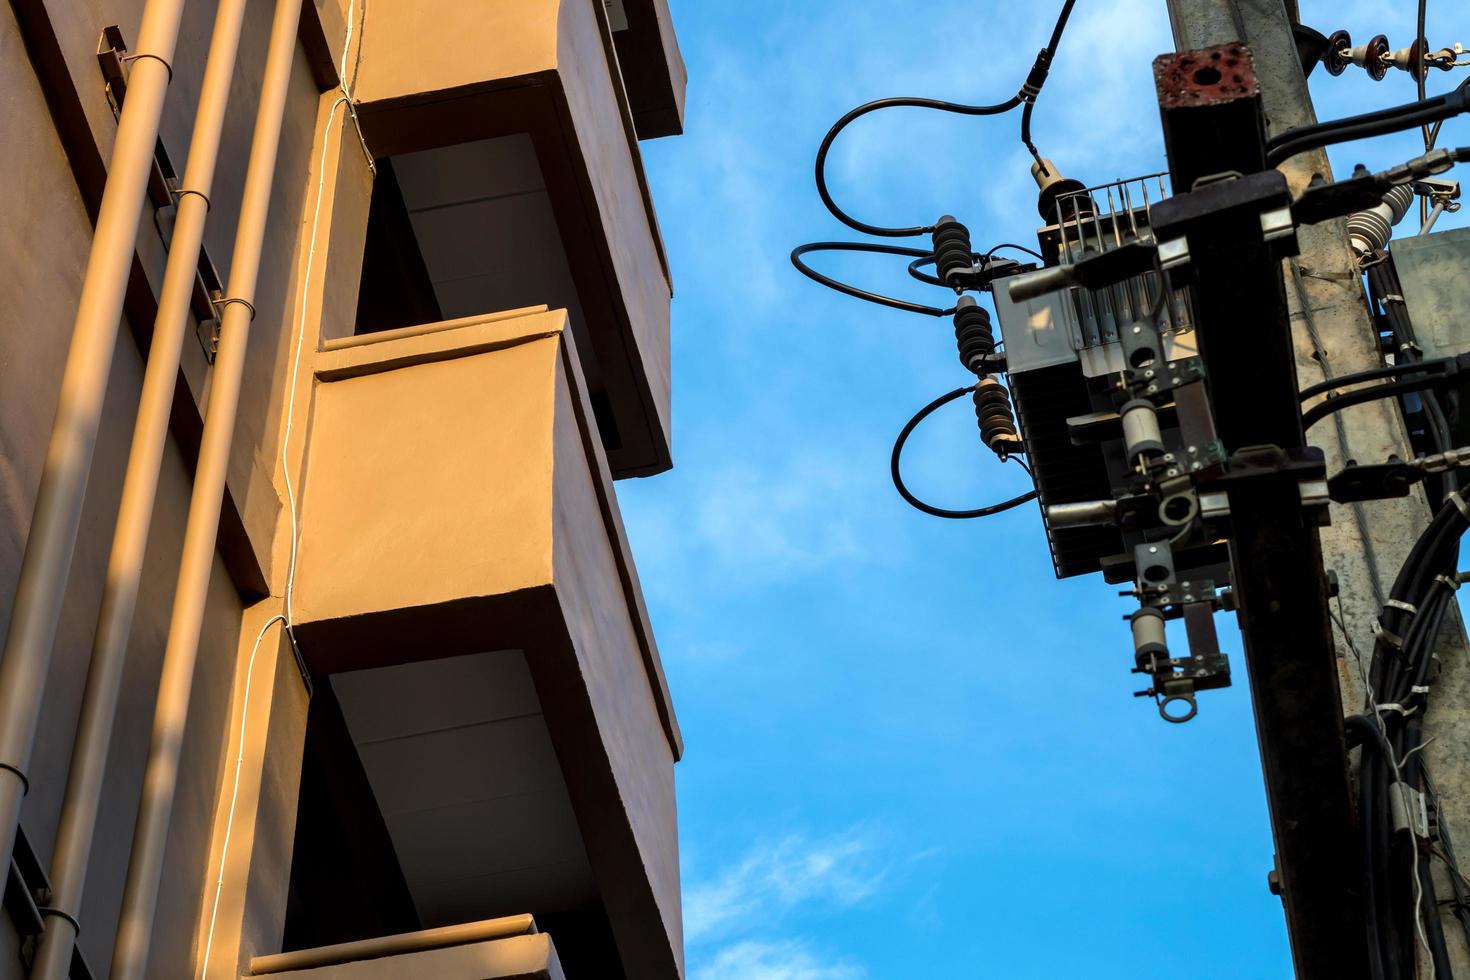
x: 997, y: 419
x: 973, y: 334
x: 953, y: 254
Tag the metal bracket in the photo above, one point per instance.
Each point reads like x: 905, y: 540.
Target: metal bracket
x: 1221, y: 214
x: 1173, y: 374
x: 1177, y: 679
x: 1306, y: 466
x: 110, y: 51
x: 1409, y: 811
x: 1381, y: 481
x: 164, y: 185
x: 207, y: 328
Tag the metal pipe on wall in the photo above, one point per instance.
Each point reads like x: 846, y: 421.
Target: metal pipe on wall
x: 160, y: 778
x: 26, y: 659
x: 135, y: 511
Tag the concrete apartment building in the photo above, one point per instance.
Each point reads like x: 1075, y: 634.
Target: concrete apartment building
x: 398, y: 711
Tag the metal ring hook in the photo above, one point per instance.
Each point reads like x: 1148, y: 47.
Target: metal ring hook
x: 1178, y: 719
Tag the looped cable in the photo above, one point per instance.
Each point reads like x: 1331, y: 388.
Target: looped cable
x: 1034, y: 80
x: 863, y: 294
x: 915, y: 502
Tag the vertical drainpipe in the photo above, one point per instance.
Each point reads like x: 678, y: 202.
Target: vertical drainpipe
x: 140, y: 486
x: 26, y: 659
x: 160, y: 779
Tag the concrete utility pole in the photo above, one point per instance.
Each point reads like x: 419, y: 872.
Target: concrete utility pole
x: 1333, y: 334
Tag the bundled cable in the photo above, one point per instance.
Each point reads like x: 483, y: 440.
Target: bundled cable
x: 1402, y: 908
x: 1387, y: 292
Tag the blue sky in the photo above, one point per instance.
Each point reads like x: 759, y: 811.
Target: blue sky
x: 911, y: 751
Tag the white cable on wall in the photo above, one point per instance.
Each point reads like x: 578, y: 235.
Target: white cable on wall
x: 285, y: 617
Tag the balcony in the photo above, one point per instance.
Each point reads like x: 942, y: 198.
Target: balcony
x: 491, y: 711
x: 511, y: 118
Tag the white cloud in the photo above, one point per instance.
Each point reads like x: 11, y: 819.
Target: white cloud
x: 832, y: 873
x: 787, y: 523
x: 756, y: 521
x: 755, y: 960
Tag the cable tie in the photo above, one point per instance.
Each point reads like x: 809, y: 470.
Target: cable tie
x: 1392, y: 298
x: 243, y: 302
x: 1454, y: 497
x: 165, y: 64
x: 183, y: 192
x: 1453, y: 584
x: 1419, y: 689
x: 1392, y: 639
x: 1394, y: 706
x: 1036, y: 78
x: 1407, y: 607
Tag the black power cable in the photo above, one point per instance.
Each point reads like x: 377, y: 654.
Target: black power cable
x: 982, y: 260
x: 1049, y: 52
x: 1377, y: 123
x: 1035, y: 79
x: 915, y: 502
x: 1321, y: 410
x: 918, y: 254
x: 1386, y: 292
x: 1387, y: 371
x: 1398, y: 681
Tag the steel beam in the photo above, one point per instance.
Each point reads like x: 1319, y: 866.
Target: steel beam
x: 1213, y: 124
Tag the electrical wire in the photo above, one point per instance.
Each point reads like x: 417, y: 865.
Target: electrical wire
x: 1438, y: 364
x: 1446, y: 853
x: 916, y: 270
x: 1029, y: 90
x: 895, y: 103
x: 797, y: 259
x: 1385, y: 292
x: 1049, y: 51
x: 347, y: 84
x: 1409, y: 624
x: 983, y: 260
x: 915, y: 502
x: 1377, y: 123
x: 1420, y: 71
x: 1019, y: 248
x: 1323, y: 409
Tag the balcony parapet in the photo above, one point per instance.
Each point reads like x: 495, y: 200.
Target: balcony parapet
x: 437, y: 73
x: 496, y: 948
x: 457, y: 500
